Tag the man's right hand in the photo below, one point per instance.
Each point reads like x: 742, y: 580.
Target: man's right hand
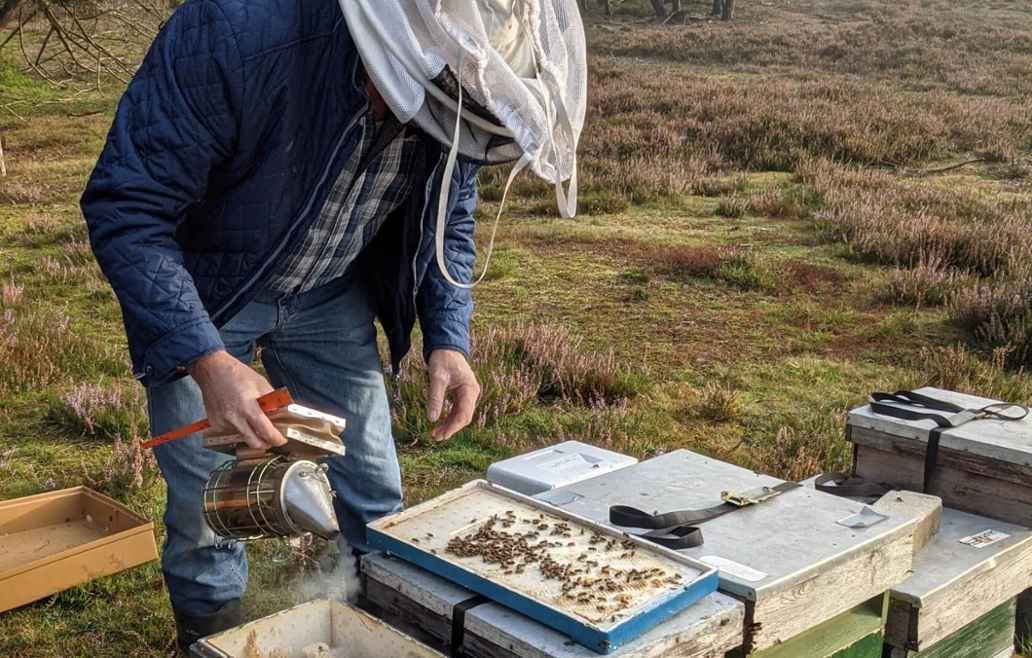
x: 231, y: 391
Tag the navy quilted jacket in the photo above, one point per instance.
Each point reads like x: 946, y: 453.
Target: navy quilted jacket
x: 222, y: 151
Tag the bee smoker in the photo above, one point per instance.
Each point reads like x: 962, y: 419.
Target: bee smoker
x: 283, y: 493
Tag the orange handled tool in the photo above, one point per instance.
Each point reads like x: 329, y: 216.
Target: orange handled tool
x: 269, y: 402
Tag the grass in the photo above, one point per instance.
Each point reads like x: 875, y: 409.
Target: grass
x: 761, y: 246
x: 718, y: 403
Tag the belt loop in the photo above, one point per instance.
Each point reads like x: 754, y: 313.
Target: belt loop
x: 290, y: 304
x: 281, y: 311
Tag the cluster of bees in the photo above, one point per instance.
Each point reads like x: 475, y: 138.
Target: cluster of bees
x: 515, y: 543
x: 512, y: 551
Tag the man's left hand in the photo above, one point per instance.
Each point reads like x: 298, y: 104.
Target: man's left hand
x: 452, y: 378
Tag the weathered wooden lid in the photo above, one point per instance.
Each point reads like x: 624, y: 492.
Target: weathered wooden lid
x: 1005, y: 441
x: 966, y: 546
x: 760, y: 550
x: 972, y: 565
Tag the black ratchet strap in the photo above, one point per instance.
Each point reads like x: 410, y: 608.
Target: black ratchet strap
x: 850, y: 486
x: 909, y: 405
x: 677, y: 530
x: 458, y: 627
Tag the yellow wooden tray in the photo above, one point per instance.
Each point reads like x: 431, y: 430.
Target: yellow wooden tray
x: 56, y: 540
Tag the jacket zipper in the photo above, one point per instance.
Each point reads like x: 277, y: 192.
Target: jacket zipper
x: 422, y: 218
x: 396, y: 366
x: 297, y: 220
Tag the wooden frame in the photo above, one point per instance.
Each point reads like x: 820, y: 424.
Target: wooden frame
x: 406, y: 535
x: 422, y: 605
x: 332, y: 623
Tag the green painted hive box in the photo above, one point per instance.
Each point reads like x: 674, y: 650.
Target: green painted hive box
x: 856, y: 633
x: 991, y: 636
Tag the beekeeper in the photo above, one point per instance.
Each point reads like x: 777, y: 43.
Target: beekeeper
x: 279, y: 175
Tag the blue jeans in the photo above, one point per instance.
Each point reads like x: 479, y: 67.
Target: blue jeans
x: 322, y: 346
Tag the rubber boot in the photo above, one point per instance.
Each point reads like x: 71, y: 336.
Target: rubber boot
x: 189, y: 629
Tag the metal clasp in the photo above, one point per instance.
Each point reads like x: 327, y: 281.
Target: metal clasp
x: 750, y: 497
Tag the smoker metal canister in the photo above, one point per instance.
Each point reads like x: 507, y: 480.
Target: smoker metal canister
x: 272, y: 498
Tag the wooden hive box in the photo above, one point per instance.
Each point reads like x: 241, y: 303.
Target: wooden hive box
x: 973, y: 567
x: 983, y: 467
x: 342, y: 629
x: 56, y: 540
x: 788, y: 559
x: 453, y: 619
x: 961, y: 598
x: 856, y: 633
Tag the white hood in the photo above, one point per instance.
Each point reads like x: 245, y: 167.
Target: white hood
x: 522, y: 60
x: 522, y: 64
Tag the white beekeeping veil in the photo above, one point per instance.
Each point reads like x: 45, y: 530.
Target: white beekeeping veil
x: 494, y: 80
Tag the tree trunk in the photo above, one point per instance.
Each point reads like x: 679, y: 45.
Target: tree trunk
x: 660, y: 7
x: 675, y: 6
x: 718, y: 8
x: 9, y: 11
x: 729, y: 10
x: 608, y: 6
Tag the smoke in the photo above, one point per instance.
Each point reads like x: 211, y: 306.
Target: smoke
x: 335, y: 575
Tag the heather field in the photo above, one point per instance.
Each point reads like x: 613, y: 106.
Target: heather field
x: 779, y: 215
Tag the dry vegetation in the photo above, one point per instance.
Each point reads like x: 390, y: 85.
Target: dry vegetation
x: 977, y: 49
x: 774, y: 225
x: 520, y: 366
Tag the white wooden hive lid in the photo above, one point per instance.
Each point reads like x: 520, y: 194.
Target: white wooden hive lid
x: 1000, y: 440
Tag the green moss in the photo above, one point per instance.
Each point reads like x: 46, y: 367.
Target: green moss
x: 15, y: 83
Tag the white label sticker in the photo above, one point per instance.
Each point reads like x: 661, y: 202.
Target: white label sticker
x: 733, y: 568
x: 984, y: 538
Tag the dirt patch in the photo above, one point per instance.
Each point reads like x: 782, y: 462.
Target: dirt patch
x: 813, y: 278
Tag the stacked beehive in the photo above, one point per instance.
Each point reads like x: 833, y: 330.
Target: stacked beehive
x: 797, y: 578
x: 813, y: 583
x: 962, y: 596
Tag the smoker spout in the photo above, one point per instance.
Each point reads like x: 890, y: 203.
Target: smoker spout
x: 308, y: 500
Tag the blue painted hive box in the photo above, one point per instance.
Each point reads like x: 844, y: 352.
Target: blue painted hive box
x: 595, y: 584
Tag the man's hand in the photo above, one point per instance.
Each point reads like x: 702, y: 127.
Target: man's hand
x: 451, y: 376
x: 231, y: 391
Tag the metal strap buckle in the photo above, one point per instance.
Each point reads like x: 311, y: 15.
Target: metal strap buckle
x: 750, y: 497
x: 966, y: 416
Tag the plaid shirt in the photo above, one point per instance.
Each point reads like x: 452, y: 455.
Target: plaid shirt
x: 356, y: 208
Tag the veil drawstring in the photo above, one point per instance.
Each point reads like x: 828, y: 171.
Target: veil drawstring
x: 442, y: 202
x: 557, y: 116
